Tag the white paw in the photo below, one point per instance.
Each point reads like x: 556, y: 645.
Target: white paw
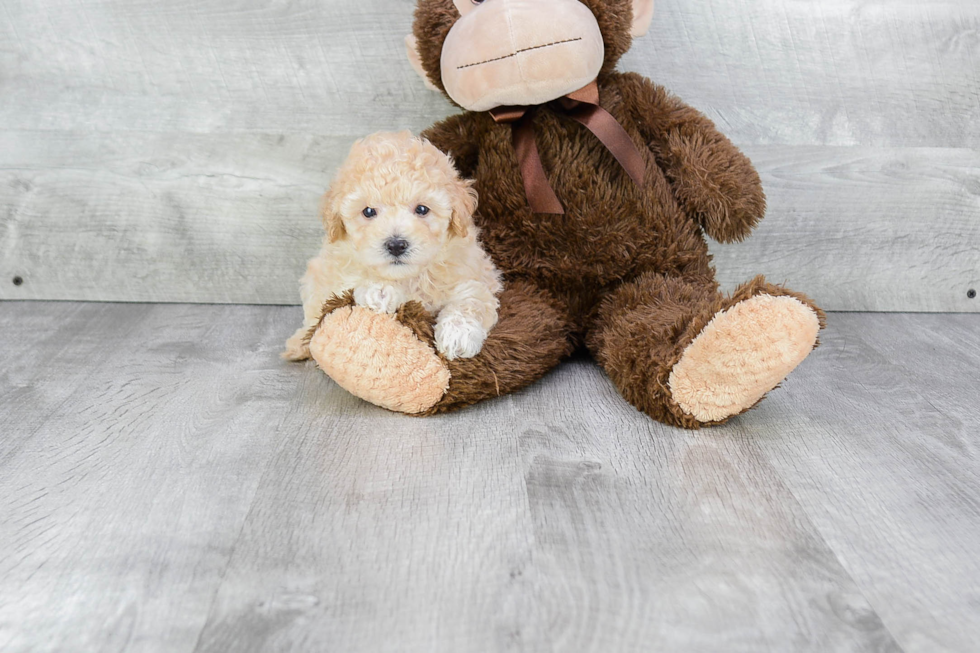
x: 457, y: 337
x: 380, y: 298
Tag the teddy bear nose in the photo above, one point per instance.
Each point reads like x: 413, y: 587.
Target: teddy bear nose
x: 396, y: 246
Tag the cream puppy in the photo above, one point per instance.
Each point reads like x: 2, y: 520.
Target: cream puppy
x: 399, y: 224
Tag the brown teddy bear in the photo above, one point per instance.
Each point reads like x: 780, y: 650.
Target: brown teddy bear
x: 597, y: 189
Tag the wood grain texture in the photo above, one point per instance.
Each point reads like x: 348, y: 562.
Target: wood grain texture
x: 838, y: 72
x: 866, y: 228
x: 546, y: 521
x: 139, y: 436
x: 218, y: 218
x: 885, y: 458
x: 841, y: 72
x: 175, y: 152
x: 45, y: 357
x: 181, y: 489
x: 160, y: 217
x: 303, y: 67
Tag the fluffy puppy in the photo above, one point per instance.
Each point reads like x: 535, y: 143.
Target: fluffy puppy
x: 399, y: 222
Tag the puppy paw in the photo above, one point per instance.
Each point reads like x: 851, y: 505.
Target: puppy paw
x: 380, y: 298
x: 457, y: 337
x: 297, y: 347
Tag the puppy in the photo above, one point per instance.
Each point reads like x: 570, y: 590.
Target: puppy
x: 399, y: 223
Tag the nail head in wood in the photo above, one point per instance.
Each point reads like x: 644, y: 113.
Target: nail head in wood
x: 18, y: 281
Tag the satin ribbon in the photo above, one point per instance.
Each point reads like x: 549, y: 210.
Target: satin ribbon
x: 583, y: 107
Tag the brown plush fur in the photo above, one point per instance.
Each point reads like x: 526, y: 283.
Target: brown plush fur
x: 647, y: 324
x: 626, y: 269
x: 530, y: 338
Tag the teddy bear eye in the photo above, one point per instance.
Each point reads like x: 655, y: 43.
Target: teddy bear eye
x: 422, y: 210
x: 369, y: 213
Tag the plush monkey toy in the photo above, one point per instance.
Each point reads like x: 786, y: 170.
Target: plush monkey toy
x: 597, y: 189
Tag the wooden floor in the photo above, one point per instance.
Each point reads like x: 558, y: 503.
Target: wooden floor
x: 167, y: 484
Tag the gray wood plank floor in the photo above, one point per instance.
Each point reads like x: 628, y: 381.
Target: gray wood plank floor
x: 167, y: 484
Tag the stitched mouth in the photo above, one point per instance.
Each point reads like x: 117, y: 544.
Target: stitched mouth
x: 509, y: 56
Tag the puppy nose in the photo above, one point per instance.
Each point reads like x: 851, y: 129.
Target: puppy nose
x: 396, y: 246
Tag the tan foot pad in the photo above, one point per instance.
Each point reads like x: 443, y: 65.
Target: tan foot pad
x: 742, y: 354
x: 378, y: 359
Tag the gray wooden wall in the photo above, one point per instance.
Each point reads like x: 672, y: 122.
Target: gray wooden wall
x: 175, y: 151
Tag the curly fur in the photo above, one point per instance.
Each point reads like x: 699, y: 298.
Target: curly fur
x: 445, y: 270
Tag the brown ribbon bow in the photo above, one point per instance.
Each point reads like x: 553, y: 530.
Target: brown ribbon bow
x: 583, y: 107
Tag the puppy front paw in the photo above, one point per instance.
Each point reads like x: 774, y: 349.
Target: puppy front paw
x: 380, y: 298
x: 457, y: 337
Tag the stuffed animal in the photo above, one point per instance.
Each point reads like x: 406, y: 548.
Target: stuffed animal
x: 597, y: 189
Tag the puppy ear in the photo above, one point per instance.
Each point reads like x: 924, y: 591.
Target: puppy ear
x: 332, y: 222
x: 465, y: 200
x: 642, y: 16
x: 414, y: 58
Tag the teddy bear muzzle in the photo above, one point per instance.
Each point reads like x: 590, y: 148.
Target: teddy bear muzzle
x: 521, y: 52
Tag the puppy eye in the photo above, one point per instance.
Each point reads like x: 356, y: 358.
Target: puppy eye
x: 422, y: 210
x: 478, y: 2
x: 369, y: 213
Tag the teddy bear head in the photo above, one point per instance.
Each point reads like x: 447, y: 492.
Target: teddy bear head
x: 485, y: 54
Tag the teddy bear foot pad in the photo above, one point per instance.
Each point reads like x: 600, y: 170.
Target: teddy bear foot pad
x: 742, y: 354
x: 357, y: 347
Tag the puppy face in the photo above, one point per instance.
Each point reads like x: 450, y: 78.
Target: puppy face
x: 396, y: 201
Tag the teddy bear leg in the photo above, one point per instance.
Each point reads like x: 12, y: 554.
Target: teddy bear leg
x: 531, y: 337
x: 687, y: 356
x: 391, y: 361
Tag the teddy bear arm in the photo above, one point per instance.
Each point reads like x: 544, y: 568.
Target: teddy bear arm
x: 713, y: 181
x: 459, y: 137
